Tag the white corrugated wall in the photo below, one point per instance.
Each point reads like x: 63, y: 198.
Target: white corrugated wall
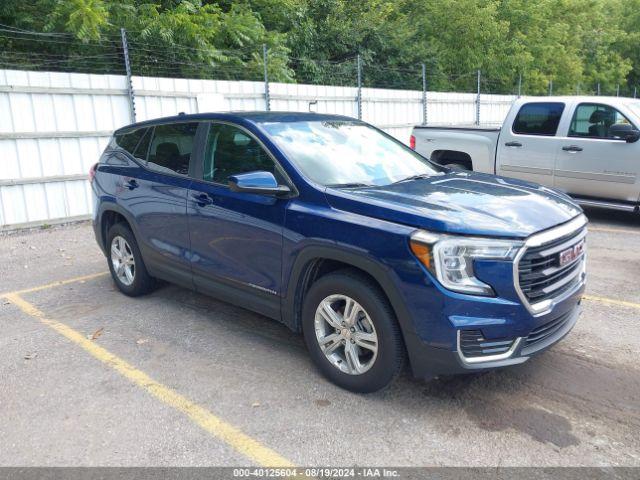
x: 53, y: 126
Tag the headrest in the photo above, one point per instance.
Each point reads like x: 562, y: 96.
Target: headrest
x: 600, y: 116
x: 167, y: 149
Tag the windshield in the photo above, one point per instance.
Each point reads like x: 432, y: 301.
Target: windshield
x: 347, y: 153
x: 635, y: 107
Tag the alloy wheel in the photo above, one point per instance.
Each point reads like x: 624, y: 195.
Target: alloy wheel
x: 124, y: 265
x: 346, y: 335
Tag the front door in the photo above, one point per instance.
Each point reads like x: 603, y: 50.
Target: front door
x: 236, y: 238
x: 527, y: 148
x: 593, y: 163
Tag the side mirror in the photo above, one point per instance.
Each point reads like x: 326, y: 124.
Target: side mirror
x: 262, y: 183
x: 624, y: 131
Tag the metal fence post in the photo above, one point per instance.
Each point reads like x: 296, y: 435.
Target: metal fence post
x: 267, y: 99
x: 551, y: 87
x: 424, y: 94
x: 478, y: 101
x: 359, y: 97
x: 635, y: 91
x: 127, y: 66
x: 519, y: 85
x: 598, y: 89
x: 618, y: 90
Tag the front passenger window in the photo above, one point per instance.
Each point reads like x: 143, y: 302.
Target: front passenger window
x: 171, y: 148
x: 230, y: 150
x: 592, y: 120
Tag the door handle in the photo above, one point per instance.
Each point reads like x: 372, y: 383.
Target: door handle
x: 513, y: 144
x: 572, y: 148
x: 202, y: 199
x: 131, y: 184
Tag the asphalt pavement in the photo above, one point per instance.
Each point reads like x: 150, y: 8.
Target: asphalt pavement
x: 90, y: 377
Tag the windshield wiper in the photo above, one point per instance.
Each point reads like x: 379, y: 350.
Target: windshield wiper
x: 350, y: 185
x: 419, y: 176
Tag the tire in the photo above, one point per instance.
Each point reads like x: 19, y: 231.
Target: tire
x: 139, y: 282
x: 377, y: 369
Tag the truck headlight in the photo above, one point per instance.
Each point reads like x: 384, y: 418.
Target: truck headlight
x: 450, y: 258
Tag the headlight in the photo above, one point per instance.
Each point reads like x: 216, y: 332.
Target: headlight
x: 450, y: 258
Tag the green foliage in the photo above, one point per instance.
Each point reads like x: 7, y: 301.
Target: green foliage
x: 572, y: 43
x: 85, y: 18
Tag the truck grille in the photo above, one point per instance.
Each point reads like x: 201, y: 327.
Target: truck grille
x: 541, y: 274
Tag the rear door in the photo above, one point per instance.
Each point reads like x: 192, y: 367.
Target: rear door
x: 528, y: 143
x: 236, y: 237
x: 159, y: 200
x: 593, y: 163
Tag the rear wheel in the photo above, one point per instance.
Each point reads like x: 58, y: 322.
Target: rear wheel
x: 125, y: 262
x: 351, y: 332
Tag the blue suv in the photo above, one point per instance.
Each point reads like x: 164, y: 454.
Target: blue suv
x: 339, y: 231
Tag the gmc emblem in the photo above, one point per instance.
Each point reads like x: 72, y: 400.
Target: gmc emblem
x: 571, y: 254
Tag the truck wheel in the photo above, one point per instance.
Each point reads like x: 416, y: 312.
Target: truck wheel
x: 351, y: 332
x: 125, y: 262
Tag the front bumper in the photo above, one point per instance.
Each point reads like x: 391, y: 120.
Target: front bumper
x: 429, y: 361
x: 456, y: 333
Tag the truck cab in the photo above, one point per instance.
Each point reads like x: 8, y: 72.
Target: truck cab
x: 585, y: 146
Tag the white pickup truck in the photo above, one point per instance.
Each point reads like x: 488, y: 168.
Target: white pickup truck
x: 585, y: 146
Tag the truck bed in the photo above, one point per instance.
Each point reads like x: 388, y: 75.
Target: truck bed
x: 480, y: 128
x: 458, y: 145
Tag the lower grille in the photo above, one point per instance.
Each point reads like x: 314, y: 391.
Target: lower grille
x: 473, y: 344
x: 545, y: 331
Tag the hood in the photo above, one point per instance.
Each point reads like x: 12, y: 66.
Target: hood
x: 462, y: 203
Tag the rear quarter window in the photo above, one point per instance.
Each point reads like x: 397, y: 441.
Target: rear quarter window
x: 539, y: 118
x: 128, y: 141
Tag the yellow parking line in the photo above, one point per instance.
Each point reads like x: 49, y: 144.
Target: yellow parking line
x: 611, y: 301
x: 59, y: 283
x: 217, y: 427
x: 613, y: 230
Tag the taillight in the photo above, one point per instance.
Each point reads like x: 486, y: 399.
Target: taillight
x: 412, y: 142
x: 92, y: 172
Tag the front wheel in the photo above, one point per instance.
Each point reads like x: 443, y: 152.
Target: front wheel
x: 351, y: 332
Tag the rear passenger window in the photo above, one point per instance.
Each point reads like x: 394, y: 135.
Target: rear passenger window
x: 171, y: 147
x: 538, y: 119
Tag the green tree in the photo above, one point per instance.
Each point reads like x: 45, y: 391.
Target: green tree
x: 570, y: 42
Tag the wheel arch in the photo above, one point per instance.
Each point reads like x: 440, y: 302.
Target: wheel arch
x: 314, y: 262
x: 445, y: 157
x: 109, y: 215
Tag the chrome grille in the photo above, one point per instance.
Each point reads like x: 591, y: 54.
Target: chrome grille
x: 541, y: 277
